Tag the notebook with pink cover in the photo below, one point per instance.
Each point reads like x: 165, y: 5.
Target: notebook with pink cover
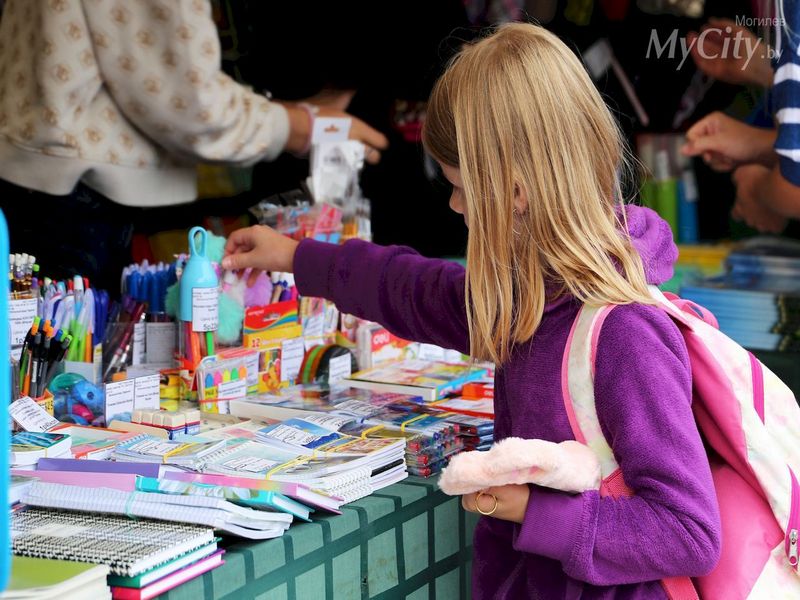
x: 170, y: 581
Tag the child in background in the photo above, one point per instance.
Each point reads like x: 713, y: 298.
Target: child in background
x: 533, y: 154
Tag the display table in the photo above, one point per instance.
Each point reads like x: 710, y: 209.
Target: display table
x: 407, y: 541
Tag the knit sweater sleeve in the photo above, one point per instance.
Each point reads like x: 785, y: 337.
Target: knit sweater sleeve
x: 670, y: 527
x: 416, y: 298
x: 161, y: 63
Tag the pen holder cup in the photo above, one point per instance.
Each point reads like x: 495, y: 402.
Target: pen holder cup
x: 46, y: 402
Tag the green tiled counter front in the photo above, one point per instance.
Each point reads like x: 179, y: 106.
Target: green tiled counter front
x: 406, y: 541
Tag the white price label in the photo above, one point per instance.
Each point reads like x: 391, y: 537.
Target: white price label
x: 160, y: 342
x: 153, y: 447
x: 292, y: 352
x: 31, y: 416
x: 340, y: 367
x: 147, y: 392
x: 231, y: 390
x: 331, y: 422
x: 21, y: 314
x: 249, y: 464
x: 205, y: 309
x: 292, y: 436
x: 138, y: 343
x: 120, y: 399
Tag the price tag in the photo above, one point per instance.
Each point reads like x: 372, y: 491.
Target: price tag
x: 340, y: 367
x: 205, y: 309
x: 31, y: 416
x: 20, y: 318
x: 147, y: 392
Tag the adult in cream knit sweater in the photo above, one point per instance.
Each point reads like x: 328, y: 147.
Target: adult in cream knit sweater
x: 113, y: 102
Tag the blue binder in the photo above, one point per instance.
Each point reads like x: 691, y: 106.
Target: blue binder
x: 5, y: 398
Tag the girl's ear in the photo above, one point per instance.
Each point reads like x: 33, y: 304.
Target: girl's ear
x: 520, y: 199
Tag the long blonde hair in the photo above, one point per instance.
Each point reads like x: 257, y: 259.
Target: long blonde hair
x: 517, y: 111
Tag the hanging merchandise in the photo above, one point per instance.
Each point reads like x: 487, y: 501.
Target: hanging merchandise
x: 693, y: 9
x: 579, y: 11
x: 615, y: 10
x: 199, y: 302
x: 541, y: 11
x: 599, y: 58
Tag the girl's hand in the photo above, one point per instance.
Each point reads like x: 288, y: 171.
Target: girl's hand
x: 512, y: 502
x: 726, y: 143
x: 259, y: 248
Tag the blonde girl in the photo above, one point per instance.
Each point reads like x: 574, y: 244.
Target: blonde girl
x: 533, y: 154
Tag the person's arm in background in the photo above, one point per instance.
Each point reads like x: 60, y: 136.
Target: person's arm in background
x: 765, y: 198
x: 416, y: 298
x: 161, y: 63
x: 711, y: 51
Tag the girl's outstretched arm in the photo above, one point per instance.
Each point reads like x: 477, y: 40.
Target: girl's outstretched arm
x: 416, y: 298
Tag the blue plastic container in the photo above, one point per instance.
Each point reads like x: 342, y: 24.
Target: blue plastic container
x: 5, y: 398
x: 198, y: 272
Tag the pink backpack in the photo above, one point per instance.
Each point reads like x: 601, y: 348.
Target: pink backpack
x: 752, y: 421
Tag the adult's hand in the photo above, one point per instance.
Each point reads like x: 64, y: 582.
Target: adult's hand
x: 725, y: 143
x: 731, y: 53
x: 750, y: 180
x: 300, y: 131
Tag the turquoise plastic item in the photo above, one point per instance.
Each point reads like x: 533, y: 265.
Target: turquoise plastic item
x: 198, y: 272
x: 5, y: 400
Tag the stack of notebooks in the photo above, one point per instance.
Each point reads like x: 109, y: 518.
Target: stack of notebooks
x: 757, y: 300
x: 295, y: 499
x: 432, y: 436
x: 145, y: 558
x: 48, y: 579
x: 27, y: 447
x: 118, y: 496
x: 430, y: 380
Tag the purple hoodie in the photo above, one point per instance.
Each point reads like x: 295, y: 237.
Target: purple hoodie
x: 570, y: 545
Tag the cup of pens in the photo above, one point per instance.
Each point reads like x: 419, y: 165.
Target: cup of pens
x: 199, y: 303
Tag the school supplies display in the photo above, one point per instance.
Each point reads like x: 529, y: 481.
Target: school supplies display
x: 145, y: 448
x: 156, y: 573
x: 757, y: 300
x: 43, y: 349
x: 483, y: 388
x: 344, y: 476
x: 300, y: 492
x: 170, y: 581
x: 199, y: 302
x: 50, y: 579
x: 93, y: 443
x: 18, y: 486
x: 483, y: 408
x: 27, y: 447
x: 200, y: 510
x: 431, y: 380
x: 129, y: 547
x: 244, y: 496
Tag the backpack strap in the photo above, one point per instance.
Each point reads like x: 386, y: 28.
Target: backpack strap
x: 577, y: 388
x: 577, y: 384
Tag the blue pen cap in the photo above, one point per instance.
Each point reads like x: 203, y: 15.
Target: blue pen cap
x: 198, y: 272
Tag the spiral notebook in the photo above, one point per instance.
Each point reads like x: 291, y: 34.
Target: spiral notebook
x: 127, y: 546
x: 202, y: 510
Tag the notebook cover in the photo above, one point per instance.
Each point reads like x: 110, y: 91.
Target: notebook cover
x: 98, y: 466
x: 170, y: 581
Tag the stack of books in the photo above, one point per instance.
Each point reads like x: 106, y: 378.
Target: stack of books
x: 145, y: 558
x: 757, y: 299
